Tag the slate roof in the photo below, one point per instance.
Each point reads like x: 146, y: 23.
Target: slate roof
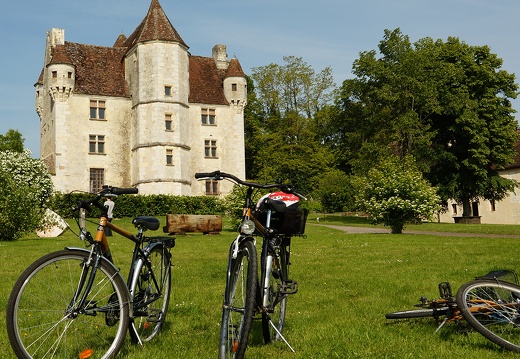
x: 100, y: 70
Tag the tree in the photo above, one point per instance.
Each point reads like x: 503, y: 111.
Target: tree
x: 445, y: 103
x: 291, y: 152
x: 11, y: 141
x: 335, y: 191
x: 26, y: 187
x: 282, y: 131
x: 395, y: 193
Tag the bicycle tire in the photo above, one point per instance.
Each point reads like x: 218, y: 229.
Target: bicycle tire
x: 277, y: 301
x: 492, y: 308
x: 151, y: 300
x: 418, y: 313
x: 40, y: 318
x: 239, y: 302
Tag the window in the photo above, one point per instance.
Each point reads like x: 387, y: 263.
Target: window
x: 454, y: 208
x: 55, y: 74
x: 96, y: 144
x: 69, y: 75
x: 212, y: 188
x: 210, y: 148
x: 169, y: 157
x: 97, y: 110
x: 168, y: 122
x: 167, y: 90
x: 233, y: 87
x: 208, y: 116
x: 97, y: 179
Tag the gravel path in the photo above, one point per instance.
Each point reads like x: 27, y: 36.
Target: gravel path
x: 355, y: 229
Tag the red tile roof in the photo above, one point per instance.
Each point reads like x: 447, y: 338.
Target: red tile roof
x: 155, y: 26
x: 234, y: 69
x: 206, y: 83
x: 100, y: 70
x: 60, y: 56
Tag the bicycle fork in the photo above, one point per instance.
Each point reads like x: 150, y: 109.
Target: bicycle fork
x: 265, y: 297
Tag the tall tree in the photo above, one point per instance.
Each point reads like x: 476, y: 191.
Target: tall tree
x: 446, y: 103
x: 293, y: 87
x: 284, y: 137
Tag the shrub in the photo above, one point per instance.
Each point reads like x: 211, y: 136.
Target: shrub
x: 26, y: 187
x: 395, y: 193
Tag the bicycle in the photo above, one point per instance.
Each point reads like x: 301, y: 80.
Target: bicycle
x: 276, y: 218
x: 444, y: 306
x: 75, y: 302
x: 490, y: 304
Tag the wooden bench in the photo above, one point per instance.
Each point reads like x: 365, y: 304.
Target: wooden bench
x: 189, y: 223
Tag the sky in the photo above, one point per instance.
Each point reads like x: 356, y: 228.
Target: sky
x: 258, y: 32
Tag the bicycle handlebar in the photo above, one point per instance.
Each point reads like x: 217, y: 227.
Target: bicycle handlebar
x: 218, y: 175
x: 106, y: 191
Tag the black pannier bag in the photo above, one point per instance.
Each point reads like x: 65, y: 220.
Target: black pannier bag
x: 290, y: 221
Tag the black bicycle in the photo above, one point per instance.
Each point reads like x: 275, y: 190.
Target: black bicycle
x: 74, y: 303
x: 275, y: 218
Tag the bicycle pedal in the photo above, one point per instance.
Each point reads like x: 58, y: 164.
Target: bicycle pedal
x: 288, y: 287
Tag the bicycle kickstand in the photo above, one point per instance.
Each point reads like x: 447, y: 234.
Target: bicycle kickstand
x: 442, y: 324
x: 280, y: 334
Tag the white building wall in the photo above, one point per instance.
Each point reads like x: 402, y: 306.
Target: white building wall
x: 506, y: 211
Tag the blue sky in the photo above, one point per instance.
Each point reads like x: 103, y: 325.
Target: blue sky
x: 258, y: 32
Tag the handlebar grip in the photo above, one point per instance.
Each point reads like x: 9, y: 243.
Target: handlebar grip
x: 213, y: 174
x: 118, y: 191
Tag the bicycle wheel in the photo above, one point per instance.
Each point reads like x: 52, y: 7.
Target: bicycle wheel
x: 239, y: 302
x: 44, y: 320
x: 152, y: 292
x: 492, y: 308
x: 418, y: 313
x: 275, y: 301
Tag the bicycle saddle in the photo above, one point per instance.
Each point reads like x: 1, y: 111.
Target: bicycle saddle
x: 150, y: 223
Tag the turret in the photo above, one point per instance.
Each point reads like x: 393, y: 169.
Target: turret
x: 60, y: 74
x: 235, y: 86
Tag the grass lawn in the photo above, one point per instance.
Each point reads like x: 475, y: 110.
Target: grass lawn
x: 347, y: 283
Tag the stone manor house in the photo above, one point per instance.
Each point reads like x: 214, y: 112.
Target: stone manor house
x: 143, y: 113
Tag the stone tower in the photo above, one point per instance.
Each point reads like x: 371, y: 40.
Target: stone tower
x: 157, y: 74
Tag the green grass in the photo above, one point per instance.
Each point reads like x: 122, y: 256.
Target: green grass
x: 347, y: 283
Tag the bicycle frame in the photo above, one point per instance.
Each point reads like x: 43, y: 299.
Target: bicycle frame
x: 101, y: 248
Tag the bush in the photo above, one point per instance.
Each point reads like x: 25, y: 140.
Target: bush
x: 395, y: 193
x: 26, y: 187
x: 334, y: 189
x: 142, y: 205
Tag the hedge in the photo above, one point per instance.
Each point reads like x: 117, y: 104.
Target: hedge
x: 142, y: 205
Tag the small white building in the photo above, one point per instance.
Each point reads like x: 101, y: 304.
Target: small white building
x: 506, y: 211
x: 143, y: 113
